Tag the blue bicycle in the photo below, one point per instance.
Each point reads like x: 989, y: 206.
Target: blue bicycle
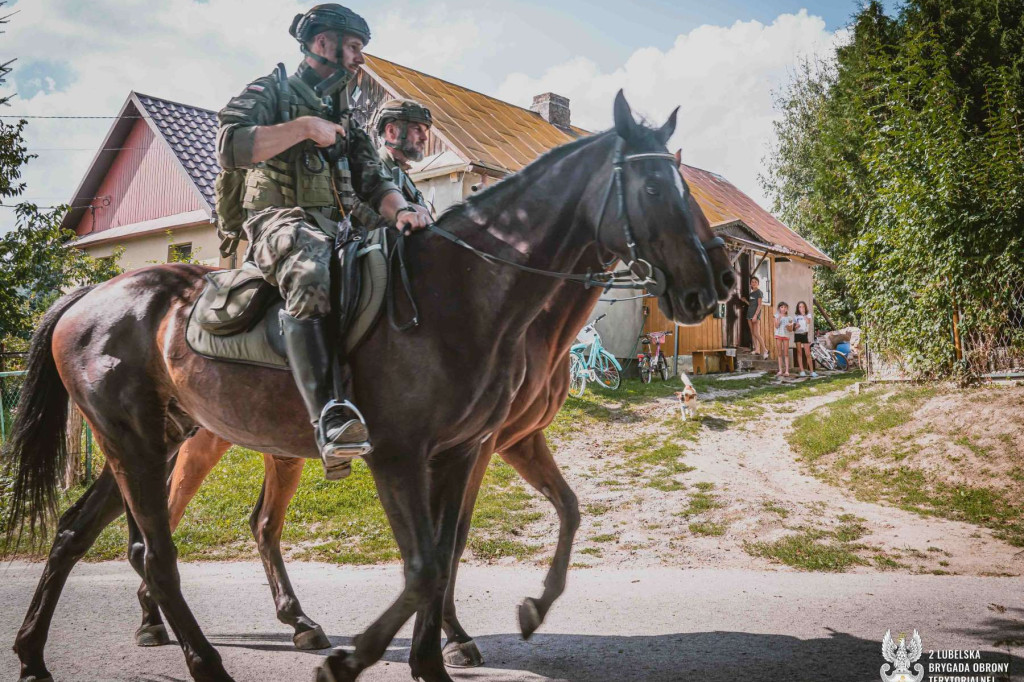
x: 595, y: 364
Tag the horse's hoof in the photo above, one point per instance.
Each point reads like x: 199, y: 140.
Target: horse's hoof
x: 33, y: 678
x: 529, y: 617
x: 311, y: 639
x: 334, y: 669
x: 462, y: 655
x: 152, y: 635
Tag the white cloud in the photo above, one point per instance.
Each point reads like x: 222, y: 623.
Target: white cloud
x: 721, y: 77
x: 202, y: 53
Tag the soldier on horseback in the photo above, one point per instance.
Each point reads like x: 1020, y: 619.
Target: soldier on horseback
x: 307, y: 165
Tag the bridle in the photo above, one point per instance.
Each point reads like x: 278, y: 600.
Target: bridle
x: 654, y: 281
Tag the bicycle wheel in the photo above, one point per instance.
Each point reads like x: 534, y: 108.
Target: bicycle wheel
x: 577, y: 376
x: 606, y: 373
x: 663, y: 367
x: 645, y: 370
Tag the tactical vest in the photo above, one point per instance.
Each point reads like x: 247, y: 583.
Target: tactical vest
x: 302, y: 175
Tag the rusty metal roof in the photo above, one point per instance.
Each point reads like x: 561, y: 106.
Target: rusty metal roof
x: 484, y: 131
x: 724, y: 204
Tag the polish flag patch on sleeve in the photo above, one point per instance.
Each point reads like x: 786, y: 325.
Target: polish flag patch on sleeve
x: 256, y: 88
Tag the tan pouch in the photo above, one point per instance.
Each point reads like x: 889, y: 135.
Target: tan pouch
x: 233, y: 300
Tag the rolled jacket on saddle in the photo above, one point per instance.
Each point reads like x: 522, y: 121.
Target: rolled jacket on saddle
x: 293, y: 203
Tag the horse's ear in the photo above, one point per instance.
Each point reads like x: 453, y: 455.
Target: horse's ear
x: 679, y: 157
x: 624, y: 123
x: 665, y: 131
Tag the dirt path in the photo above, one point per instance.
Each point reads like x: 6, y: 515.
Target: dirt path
x: 746, y: 486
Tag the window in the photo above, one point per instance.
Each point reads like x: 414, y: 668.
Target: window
x: 179, y: 253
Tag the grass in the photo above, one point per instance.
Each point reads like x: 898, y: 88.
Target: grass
x: 825, y: 430
x: 775, y: 508
x: 699, y: 503
x: 605, y: 537
x: 336, y: 522
x: 707, y: 528
x: 808, y: 551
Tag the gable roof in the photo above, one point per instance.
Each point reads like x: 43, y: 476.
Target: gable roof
x: 725, y: 205
x: 484, y: 131
x: 188, y: 133
x: 191, y: 133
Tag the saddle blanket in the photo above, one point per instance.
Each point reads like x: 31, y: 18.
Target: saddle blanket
x: 235, y: 319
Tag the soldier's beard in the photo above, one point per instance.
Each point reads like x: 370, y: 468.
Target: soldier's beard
x: 411, y: 152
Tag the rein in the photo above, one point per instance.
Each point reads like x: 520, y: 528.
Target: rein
x: 654, y: 281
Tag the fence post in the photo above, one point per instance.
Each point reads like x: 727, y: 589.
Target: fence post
x: 956, y: 334
x: 3, y: 414
x: 88, y: 454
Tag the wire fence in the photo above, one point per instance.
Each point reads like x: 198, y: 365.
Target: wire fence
x: 992, y: 346
x: 986, y: 340
x: 79, y: 435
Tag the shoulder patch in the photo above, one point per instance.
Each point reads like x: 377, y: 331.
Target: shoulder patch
x: 255, y: 87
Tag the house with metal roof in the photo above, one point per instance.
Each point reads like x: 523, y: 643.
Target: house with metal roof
x: 149, y: 189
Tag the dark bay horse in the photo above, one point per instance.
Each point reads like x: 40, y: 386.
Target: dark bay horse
x: 119, y: 351
x: 520, y: 442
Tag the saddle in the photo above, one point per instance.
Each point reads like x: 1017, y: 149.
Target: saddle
x: 235, y: 318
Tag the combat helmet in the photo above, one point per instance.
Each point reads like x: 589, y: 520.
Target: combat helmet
x: 403, y: 112
x: 329, y: 17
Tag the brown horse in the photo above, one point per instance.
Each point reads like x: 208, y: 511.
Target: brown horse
x: 118, y: 350
x: 520, y: 442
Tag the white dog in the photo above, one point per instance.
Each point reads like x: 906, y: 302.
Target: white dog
x: 687, y: 398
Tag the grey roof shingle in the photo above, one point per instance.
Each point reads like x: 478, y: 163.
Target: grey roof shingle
x: 191, y: 133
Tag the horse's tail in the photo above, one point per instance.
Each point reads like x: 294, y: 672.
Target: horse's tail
x: 36, y: 452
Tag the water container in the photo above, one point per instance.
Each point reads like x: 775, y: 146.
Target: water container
x: 843, y: 348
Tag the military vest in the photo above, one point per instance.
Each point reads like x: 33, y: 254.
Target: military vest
x: 303, y: 175
x: 401, y: 179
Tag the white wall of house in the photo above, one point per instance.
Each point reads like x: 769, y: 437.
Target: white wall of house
x: 153, y: 248
x: 794, y: 281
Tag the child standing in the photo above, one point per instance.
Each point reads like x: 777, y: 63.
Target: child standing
x: 783, y: 325
x: 801, y: 330
x: 754, y: 317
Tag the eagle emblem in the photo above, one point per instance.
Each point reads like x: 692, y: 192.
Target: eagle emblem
x: 901, y: 655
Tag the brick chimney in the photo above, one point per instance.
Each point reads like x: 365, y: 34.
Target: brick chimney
x: 552, y: 108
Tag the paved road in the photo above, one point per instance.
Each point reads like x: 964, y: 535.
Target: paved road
x: 611, y: 626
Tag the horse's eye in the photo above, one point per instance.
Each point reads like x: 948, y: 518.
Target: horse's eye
x: 651, y: 189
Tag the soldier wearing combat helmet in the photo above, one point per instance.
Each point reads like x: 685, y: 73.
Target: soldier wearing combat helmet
x: 307, y: 166
x: 402, y: 126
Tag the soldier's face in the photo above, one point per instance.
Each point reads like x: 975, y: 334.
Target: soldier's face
x: 326, y: 45
x: 415, y: 139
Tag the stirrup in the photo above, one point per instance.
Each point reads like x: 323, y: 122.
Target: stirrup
x: 336, y: 452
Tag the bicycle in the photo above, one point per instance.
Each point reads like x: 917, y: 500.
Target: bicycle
x: 596, y: 365
x: 649, y: 363
x: 828, y: 358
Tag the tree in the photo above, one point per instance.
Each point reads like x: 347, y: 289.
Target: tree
x: 37, y: 263
x: 903, y: 156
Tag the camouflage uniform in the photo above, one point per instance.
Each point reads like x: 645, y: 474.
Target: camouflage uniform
x: 290, y: 199
x: 293, y: 203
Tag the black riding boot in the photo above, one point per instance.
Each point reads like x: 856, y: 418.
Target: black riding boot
x: 341, y: 433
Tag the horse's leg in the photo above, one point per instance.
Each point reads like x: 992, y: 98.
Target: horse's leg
x: 449, y: 474
x: 460, y: 651
x: 139, y: 437
x: 196, y: 459
x: 534, y: 462
x: 77, y: 530
x: 401, y: 481
x: 280, y: 481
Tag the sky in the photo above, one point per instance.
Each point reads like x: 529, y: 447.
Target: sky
x: 720, y: 62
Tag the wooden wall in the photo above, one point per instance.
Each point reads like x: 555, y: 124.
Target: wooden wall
x: 710, y: 333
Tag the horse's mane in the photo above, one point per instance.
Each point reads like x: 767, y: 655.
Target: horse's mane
x: 514, y: 183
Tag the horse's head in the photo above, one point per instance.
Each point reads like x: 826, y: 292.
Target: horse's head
x: 647, y: 220
x: 721, y: 266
